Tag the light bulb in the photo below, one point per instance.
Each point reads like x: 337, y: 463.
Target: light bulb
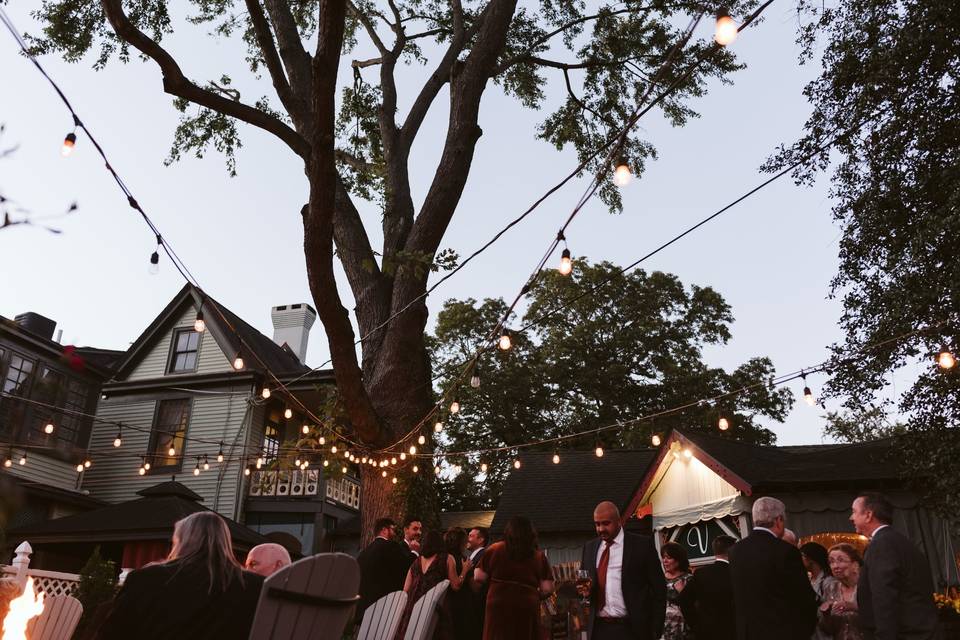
x: 172, y: 451
x: 687, y: 454
x: 436, y: 470
x: 455, y: 407
x: 206, y: 465
x: 238, y: 362
x: 306, y: 463
x: 422, y: 439
x: 48, y: 429
x: 87, y: 463
x: 288, y: 413
x: 298, y: 462
x: 403, y: 455
x: 326, y: 463
x: 599, y: 451
x: 475, y: 381
x: 343, y: 469
x: 566, y: 264
x: 9, y: 463
x: 724, y: 424
x: 220, y: 457
x: 196, y: 471
x: 23, y: 459
x: 655, y: 440
x: 726, y: 31
x: 265, y: 394
x: 394, y: 481
x: 246, y: 470
x: 146, y: 465
x: 383, y: 473
x: 516, y: 463
x: 413, y: 450
x: 416, y: 468
x: 483, y: 467
x: 808, y: 396
x: 79, y: 468
x: 259, y: 462
x: 346, y: 453
x: 363, y: 460
x: 199, y: 325
x: 622, y: 174
x: 321, y: 441
x: 393, y: 461
x: 333, y: 449
x: 69, y: 142
x: 556, y: 458
x: 505, y: 341
x: 946, y: 359
x: 142, y: 471
x: 305, y: 429
x: 118, y: 441
x: 438, y: 427
x: 154, y: 267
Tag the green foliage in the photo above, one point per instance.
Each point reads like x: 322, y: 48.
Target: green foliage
x: 896, y: 195
x: 97, y: 585
x: 632, y: 349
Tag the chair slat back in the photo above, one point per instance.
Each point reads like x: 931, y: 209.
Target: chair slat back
x: 59, y: 619
x: 309, y: 599
x: 423, y: 618
x: 381, y: 619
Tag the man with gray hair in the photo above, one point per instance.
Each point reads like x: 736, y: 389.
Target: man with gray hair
x: 266, y: 559
x: 772, y: 595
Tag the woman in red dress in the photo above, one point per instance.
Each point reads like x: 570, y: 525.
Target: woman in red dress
x: 519, y: 576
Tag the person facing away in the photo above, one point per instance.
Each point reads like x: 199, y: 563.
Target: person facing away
x: 433, y: 566
x: 458, y: 603
x: 477, y: 540
x: 266, y: 559
x: 839, y: 613
x: 200, y: 591
x: 895, y: 586
x: 676, y: 569
x: 519, y: 575
x: 383, y: 565
x: 771, y: 591
x: 707, y: 599
x: 790, y: 538
x: 628, y: 593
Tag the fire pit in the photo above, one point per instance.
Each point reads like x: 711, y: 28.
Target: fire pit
x: 20, y: 611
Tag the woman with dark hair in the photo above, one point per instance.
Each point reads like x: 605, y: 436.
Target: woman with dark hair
x: 519, y: 576
x: 199, y: 591
x: 815, y: 561
x: 433, y: 566
x: 676, y: 568
x: 839, y: 614
x: 459, y: 602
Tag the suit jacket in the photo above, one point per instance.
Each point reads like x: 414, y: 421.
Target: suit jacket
x: 478, y: 601
x: 894, y: 592
x: 707, y: 603
x: 644, y: 587
x: 169, y: 601
x: 383, y: 569
x: 771, y: 591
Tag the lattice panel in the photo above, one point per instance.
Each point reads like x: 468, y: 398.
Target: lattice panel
x: 54, y: 586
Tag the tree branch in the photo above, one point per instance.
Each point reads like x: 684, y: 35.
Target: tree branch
x: 582, y: 105
x: 368, y: 27
x: 295, y: 57
x: 351, y: 160
x: 360, y: 64
x: 261, y: 29
x: 175, y: 83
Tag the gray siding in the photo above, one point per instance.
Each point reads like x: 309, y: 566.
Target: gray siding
x: 40, y: 468
x: 210, y: 358
x: 213, y: 418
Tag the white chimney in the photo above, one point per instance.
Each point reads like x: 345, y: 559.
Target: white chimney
x: 291, y: 325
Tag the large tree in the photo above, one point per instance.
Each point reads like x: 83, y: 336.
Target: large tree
x: 358, y: 146
x: 624, y: 346
x: 893, y: 65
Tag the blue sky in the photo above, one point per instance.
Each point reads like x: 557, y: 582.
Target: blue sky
x: 771, y: 257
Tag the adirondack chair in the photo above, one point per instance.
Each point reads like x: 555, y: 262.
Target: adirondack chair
x: 312, y: 598
x: 423, y: 618
x: 381, y: 619
x: 58, y: 620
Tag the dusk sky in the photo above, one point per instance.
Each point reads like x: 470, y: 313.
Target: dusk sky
x: 771, y: 257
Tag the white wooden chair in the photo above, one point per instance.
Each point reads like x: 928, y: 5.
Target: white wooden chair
x: 59, y: 619
x: 381, y: 619
x: 311, y: 598
x: 423, y: 618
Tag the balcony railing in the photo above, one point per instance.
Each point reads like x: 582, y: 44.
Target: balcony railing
x: 284, y: 483
x: 344, y: 490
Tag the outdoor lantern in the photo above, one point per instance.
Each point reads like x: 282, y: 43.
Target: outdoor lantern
x: 945, y: 359
x: 566, y: 264
x: 621, y: 174
x: 69, y: 142
x: 199, y: 325
x: 726, y: 28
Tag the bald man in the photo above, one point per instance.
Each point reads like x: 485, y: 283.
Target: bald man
x: 628, y: 594
x: 266, y: 559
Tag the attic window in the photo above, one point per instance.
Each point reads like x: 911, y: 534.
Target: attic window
x: 186, y: 343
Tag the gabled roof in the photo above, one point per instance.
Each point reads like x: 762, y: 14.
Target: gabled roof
x: 148, y: 518
x: 560, y: 498
x: 231, y: 333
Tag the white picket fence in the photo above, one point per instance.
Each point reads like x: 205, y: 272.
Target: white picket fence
x: 52, y: 583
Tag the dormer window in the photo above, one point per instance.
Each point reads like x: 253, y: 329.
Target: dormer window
x: 186, y: 343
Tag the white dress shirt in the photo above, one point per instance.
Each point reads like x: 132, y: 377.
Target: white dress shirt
x: 614, y: 605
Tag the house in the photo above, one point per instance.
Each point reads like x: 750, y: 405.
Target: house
x: 48, y: 395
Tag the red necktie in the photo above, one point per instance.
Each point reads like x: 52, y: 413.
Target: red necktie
x: 602, y: 576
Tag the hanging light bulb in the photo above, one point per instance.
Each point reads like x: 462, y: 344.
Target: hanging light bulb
x: 118, y: 441
x: 383, y: 473
x: 346, y: 453
x: 79, y: 467
x: 333, y: 449
x: 415, y: 468
x: 363, y: 460
x: 566, y: 263
x: 142, y: 471
x: 807, y: 394
x: 516, y: 463
x: 726, y: 31
x: 220, y: 453
x: 238, y: 362
x: 438, y: 427
x: 199, y: 325
x: 265, y: 394
x: 305, y: 429
x: 621, y: 173
x: 455, y: 406
x: 172, y: 450
x: 196, y: 469
x: 413, y: 450
x: 306, y: 463
x: 246, y: 470
x: 154, y: 267
x: 298, y: 462
x: 343, y: 469
x: 394, y: 480
x: 475, y: 380
x: 599, y: 450
x: 206, y: 463
x: 8, y: 462
x: 655, y: 440
x: 288, y: 413
x: 403, y: 455
x: 483, y: 467
x: 69, y: 142
x: 556, y: 457
x: 436, y: 470
x: 687, y: 454
x: 945, y: 359
x: 393, y: 461
x: 23, y: 458
x: 259, y: 463
x: 48, y: 429
x: 505, y: 341
x: 723, y: 423
x: 87, y: 463
x: 146, y: 465
x: 326, y: 463
x: 321, y: 441
x: 422, y: 439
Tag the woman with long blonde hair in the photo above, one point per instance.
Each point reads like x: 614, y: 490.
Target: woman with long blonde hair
x: 199, y: 591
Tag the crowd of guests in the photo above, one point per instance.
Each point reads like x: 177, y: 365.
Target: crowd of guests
x: 761, y: 587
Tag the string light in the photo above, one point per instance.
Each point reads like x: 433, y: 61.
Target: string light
x: 146, y: 465
x: 687, y: 454
x: 321, y: 441
x: 438, y: 427
x: 196, y: 469
x: 505, y: 341
x: 154, y: 267
x: 413, y: 450
x: 8, y: 461
x: 394, y: 480
x: 566, y: 263
x: 48, y: 429
x: 333, y: 449
x: 87, y: 463
x: 79, y: 468
x: 23, y: 458
x: 69, y: 142
x: 621, y: 173
x: 363, y: 460
x: 259, y: 463
x: 483, y: 467
x: 393, y: 461
x: 475, y: 380
x: 142, y: 471
x: 306, y: 463
x: 199, y: 325
x: 455, y: 406
x: 265, y: 394
x: 206, y: 463
x: 436, y: 470
x: 220, y: 453
x: 288, y: 413
x: 726, y: 31
x: 118, y: 441
x: 172, y: 451
x: 655, y: 440
x: 403, y: 455
x: 326, y: 463
x: 516, y: 463
x: 945, y: 359
x: 415, y: 468
x: 383, y: 473
x: 246, y: 470
x: 556, y: 457
x: 238, y: 362
x: 305, y: 429
x: 807, y: 394
x: 599, y: 450
x: 422, y: 439
x: 298, y: 462
x: 723, y: 423
x: 343, y: 469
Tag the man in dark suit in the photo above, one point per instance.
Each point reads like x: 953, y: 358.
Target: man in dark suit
x: 894, y: 592
x: 628, y: 593
x: 771, y: 592
x: 412, y: 532
x: 383, y: 565
x: 707, y: 600
x: 477, y: 540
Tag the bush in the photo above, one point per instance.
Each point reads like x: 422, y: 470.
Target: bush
x: 97, y: 585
